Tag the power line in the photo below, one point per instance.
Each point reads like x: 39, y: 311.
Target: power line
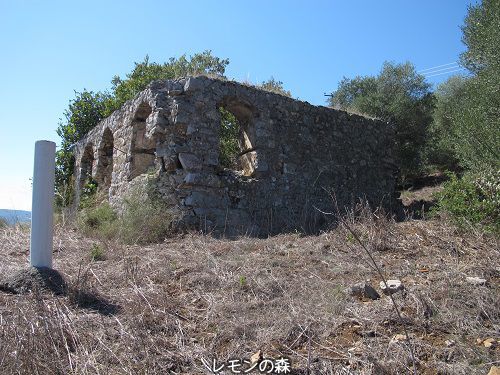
x: 442, y: 70
x: 438, y: 66
x: 438, y: 74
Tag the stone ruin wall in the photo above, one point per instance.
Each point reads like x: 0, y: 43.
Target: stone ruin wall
x: 294, y: 156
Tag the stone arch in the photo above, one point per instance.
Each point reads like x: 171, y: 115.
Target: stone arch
x: 142, y: 147
x: 246, y: 153
x: 104, y: 167
x: 86, y: 165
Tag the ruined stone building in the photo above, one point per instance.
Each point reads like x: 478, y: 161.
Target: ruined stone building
x: 292, y: 157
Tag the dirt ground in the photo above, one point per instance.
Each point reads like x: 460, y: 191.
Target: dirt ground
x: 178, y: 306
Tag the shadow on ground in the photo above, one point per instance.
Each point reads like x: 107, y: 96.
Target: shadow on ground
x: 419, y: 197
x: 42, y: 279
x: 91, y: 300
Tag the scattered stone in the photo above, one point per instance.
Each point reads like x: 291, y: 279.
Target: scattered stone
x: 393, y: 286
x: 490, y: 343
x: 368, y: 333
x: 175, y: 92
x: 475, y: 280
x: 398, y: 337
x: 364, y: 290
x: 33, y: 279
x: 494, y: 370
x: 256, y: 357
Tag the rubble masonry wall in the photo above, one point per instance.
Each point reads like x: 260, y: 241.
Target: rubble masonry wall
x: 294, y: 157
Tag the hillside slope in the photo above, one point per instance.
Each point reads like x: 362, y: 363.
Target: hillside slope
x: 164, y: 308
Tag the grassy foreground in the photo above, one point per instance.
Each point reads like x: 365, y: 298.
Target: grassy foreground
x: 164, y: 308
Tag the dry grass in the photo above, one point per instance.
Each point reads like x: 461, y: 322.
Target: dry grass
x: 160, y: 309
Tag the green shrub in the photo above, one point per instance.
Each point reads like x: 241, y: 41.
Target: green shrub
x: 97, y: 253
x: 275, y: 86
x: 3, y: 223
x: 243, y: 281
x: 99, y: 220
x: 473, y: 199
x: 145, y: 218
x: 88, y: 194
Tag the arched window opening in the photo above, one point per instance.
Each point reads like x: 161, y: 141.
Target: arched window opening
x: 86, y: 164
x: 237, y: 135
x: 143, y: 147
x: 104, y: 170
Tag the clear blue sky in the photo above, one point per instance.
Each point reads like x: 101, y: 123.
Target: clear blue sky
x: 50, y: 48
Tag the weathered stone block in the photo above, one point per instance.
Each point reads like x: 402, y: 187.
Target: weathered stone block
x: 194, y: 83
x: 206, y: 200
x: 202, y: 179
x: 189, y: 162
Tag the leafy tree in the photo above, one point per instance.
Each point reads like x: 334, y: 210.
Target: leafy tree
x: 477, y: 119
x: 441, y: 147
x: 83, y: 113
x: 476, y: 125
x: 467, y: 117
x: 471, y: 124
x: 481, y: 35
x: 146, y: 72
x: 275, y: 86
x: 399, y: 95
x: 88, y: 108
x: 354, y: 93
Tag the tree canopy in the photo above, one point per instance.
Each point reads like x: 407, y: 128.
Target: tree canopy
x: 83, y: 113
x: 441, y: 148
x: 88, y: 108
x: 467, y: 122
x: 481, y: 35
x: 146, y: 72
x: 468, y: 109
x: 398, y: 94
x: 477, y: 118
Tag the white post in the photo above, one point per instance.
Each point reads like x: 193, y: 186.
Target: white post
x: 42, y: 204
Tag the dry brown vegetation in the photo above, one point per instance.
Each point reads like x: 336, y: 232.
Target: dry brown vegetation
x: 163, y: 308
